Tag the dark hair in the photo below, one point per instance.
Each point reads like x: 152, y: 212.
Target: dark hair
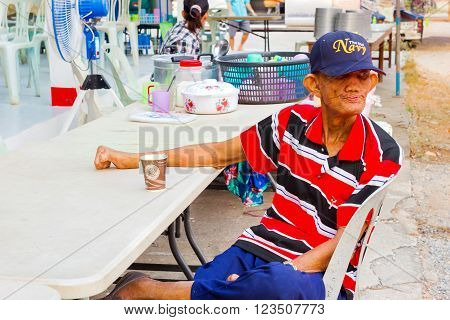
x: 194, y: 10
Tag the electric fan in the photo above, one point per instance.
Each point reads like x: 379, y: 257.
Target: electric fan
x: 73, y: 20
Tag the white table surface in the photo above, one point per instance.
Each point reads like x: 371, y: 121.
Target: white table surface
x: 11, y: 290
x: 76, y: 229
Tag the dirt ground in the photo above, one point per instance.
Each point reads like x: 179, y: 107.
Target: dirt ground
x: 428, y: 100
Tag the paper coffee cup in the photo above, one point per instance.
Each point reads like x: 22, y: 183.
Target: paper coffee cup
x: 154, y: 169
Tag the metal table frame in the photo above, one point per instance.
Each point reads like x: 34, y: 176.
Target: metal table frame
x: 174, y: 232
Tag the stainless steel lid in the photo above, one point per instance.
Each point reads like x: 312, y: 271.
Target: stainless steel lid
x: 173, y: 60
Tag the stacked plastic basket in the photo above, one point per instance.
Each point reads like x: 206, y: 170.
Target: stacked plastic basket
x: 150, y: 18
x: 268, y: 81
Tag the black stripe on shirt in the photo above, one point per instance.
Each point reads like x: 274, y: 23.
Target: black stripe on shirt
x: 258, y: 251
x: 304, y: 191
x: 362, y: 195
x: 279, y: 240
x: 265, y: 131
x: 271, y: 213
x: 390, y: 148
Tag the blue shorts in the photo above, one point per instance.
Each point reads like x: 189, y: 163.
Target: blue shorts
x: 258, y: 279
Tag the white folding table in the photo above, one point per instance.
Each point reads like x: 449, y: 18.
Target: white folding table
x: 76, y: 229
x: 12, y: 290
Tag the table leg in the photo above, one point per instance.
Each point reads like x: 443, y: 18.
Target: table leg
x: 381, y: 59
x: 178, y: 227
x: 177, y: 254
x: 157, y: 41
x: 188, y: 229
x: 390, y: 50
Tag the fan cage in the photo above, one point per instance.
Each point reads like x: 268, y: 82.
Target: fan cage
x: 63, y: 12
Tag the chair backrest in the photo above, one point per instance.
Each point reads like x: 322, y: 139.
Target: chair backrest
x: 123, y: 10
x: 23, y: 30
x: 335, y: 273
x: 3, y: 16
x: 40, y: 16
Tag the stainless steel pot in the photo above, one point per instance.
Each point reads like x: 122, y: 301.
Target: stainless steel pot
x: 166, y: 65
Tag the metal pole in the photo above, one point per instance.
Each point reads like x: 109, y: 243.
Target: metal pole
x: 397, y: 49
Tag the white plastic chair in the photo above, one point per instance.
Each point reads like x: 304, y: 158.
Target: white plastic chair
x: 116, y: 24
x: 335, y: 273
x: 3, y: 28
x: 10, y: 45
x: 40, y: 35
x: 3, y: 19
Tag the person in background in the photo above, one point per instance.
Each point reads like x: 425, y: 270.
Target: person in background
x: 239, y: 8
x: 184, y: 37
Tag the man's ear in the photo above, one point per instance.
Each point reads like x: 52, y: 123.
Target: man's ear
x: 311, y: 83
x: 373, y: 80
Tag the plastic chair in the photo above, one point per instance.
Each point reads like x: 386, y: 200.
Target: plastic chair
x: 215, y: 34
x: 20, y: 38
x: 335, y: 273
x: 40, y: 36
x: 116, y: 24
x: 3, y: 19
x: 3, y: 29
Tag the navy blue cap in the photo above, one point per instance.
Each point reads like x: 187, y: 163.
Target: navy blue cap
x: 338, y: 53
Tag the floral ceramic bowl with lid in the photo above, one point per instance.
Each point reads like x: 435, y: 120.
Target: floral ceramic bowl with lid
x: 210, y: 97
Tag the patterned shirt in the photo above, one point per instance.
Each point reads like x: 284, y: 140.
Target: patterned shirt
x: 316, y: 193
x: 180, y: 40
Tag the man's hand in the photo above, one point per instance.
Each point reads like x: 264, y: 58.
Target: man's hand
x: 317, y: 259
x: 122, y: 160
x: 250, y: 9
x: 102, y: 158
x: 232, y: 277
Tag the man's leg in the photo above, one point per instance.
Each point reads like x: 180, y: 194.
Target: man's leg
x: 243, y: 41
x: 149, y: 289
x: 232, y: 261
x: 232, y: 32
x: 232, y: 42
x: 244, y: 25
x: 272, y: 281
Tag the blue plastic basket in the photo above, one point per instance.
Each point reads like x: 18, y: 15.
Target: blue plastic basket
x: 266, y: 82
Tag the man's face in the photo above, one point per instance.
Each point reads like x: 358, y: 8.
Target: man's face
x: 345, y: 95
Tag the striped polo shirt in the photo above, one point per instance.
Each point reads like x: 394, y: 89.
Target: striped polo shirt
x: 316, y: 193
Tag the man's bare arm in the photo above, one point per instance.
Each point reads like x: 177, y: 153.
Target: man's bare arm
x: 250, y: 9
x: 218, y: 154
x: 317, y: 259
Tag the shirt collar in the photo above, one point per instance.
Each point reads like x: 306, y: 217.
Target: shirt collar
x: 354, y: 146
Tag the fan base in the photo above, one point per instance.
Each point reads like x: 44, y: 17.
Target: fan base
x: 95, y: 82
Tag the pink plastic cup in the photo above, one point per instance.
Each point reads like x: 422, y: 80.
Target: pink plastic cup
x: 161, y: 101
